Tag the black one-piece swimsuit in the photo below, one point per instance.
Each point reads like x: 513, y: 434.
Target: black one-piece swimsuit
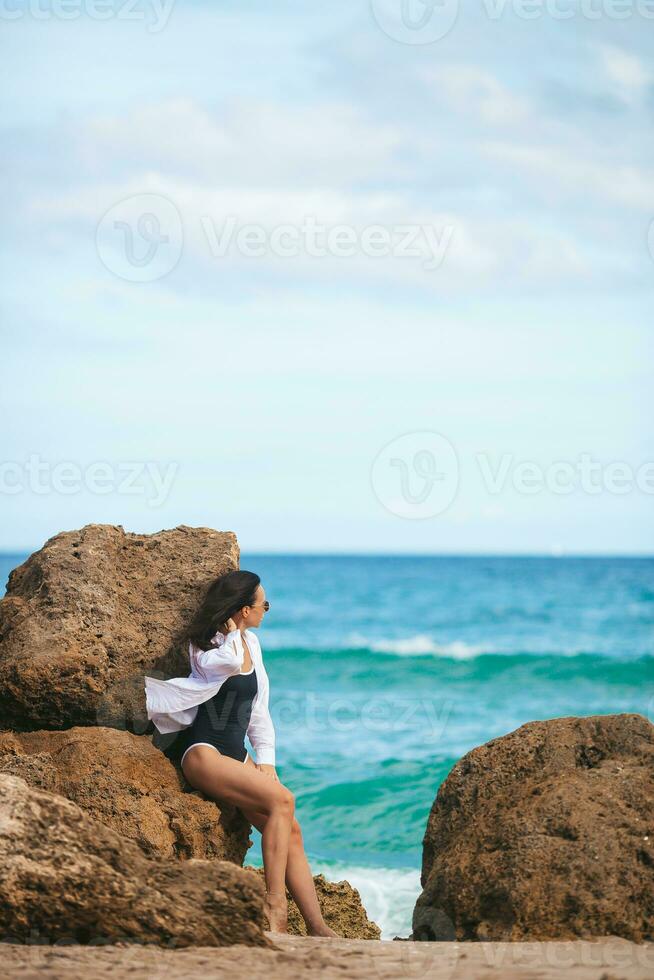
x: 222, y: 721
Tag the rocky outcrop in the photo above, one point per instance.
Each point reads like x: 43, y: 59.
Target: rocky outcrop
x: 122, y: 780
x: 92, y: 611
x: 83, y: 620
x: 341, y: 907
x: 65, y: 876
x: 545, y: 833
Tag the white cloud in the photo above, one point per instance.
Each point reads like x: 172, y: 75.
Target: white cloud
x: 625, y: 70
x: 608, y: 181
x: 245, y: 141
x: 481, y: 249
x: 476, y: 91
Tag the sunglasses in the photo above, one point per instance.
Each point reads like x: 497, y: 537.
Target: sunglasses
x: 266, y: 605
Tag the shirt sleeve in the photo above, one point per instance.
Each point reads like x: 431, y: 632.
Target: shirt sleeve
x: 219, y: 661
x: 261, y: 731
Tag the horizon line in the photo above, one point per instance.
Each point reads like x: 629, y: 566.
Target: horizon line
x: 410, y: 554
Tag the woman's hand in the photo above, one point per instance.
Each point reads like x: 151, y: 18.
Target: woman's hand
x: 229, y: 625
x: 268, y: 770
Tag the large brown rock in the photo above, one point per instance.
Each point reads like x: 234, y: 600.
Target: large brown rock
x: 545, y: 833
x: 64, y: 875
x: 122, y: 780
x: 341, y: 907
x: 93, y: 611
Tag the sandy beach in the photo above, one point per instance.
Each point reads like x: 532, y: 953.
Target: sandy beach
x: 299, y: 957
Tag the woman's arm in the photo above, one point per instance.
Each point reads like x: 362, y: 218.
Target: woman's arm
x: 261, y: 731
x: 219, y: 661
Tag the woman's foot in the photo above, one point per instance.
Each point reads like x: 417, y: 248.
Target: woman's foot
x: 322, y: 930
x: 275, y: 907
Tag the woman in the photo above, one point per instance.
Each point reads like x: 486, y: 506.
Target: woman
x: 224, y: 698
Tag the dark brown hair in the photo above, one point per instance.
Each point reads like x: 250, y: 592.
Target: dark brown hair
x: 225, y: 596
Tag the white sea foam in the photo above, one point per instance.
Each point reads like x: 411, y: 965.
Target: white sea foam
x: 388, y: 894
x: 418, y: 645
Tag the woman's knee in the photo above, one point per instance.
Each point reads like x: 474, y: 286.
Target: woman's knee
x: 285, y: 800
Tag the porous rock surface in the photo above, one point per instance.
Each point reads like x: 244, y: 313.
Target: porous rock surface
x: 544, y: 833
x: 84, y: 619
x: 122, y: 780
x: 64, y: 875
x: 91, y: 612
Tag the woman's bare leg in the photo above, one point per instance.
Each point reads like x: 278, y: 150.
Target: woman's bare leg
x: 299, y: 878
x: 301, y: 885
x: 226, y: 779
x: 275, y: 842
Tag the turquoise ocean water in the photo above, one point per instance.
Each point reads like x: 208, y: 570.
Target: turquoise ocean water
x: 386, y: 670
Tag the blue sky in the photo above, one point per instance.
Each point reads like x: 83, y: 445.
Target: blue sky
x: 280, y: 395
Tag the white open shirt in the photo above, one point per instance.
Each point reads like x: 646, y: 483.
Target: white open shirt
x: 173, y: 704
